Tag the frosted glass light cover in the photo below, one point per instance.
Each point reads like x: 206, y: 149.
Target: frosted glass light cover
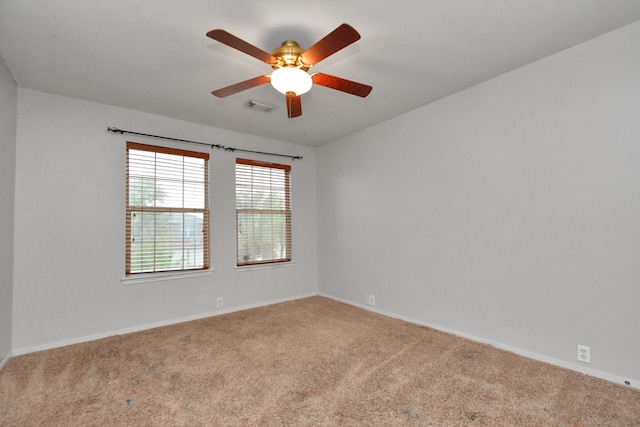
x: 290, y: 79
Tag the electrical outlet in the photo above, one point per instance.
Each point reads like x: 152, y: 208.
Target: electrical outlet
x: 584, y: 353
x: 367, y: 299
x: 219, y: 302
x: 372, y: 300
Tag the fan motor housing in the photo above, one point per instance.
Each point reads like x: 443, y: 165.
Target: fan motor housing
x: 288, y: 55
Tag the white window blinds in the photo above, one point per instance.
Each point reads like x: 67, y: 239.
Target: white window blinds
x: 263, y: 212
x: 167, y: 209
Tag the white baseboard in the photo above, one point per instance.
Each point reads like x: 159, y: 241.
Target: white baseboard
x: 5, y: 360
x: 87, y: 338
x: 633, y: 383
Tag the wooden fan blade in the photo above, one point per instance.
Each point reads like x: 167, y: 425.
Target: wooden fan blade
x: 239, y: 87
x: 294, y: 105
x: 348, y: 86
x: 338, y: 39
x: 232, y: 41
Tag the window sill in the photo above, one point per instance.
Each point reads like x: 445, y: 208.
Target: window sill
x: 158, y: 277
x: 265, y: 266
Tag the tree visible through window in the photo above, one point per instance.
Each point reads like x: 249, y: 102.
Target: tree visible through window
x: 263, y: 212
x: 167, y: 209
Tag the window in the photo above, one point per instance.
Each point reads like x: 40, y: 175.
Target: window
x: 167, y: 209
x: 263, y: 212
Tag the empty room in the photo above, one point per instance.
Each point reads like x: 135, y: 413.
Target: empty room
x: 319, y: 213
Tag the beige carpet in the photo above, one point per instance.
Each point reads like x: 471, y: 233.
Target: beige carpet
x: 312, y: 362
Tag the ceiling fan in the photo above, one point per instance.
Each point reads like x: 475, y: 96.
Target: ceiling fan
x: 290, y: 64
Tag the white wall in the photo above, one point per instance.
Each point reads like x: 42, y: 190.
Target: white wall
x: 508, y: 212
x: 8, y: 108
x: 70, y: 226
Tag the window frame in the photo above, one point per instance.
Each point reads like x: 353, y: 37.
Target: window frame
x: 171, y: 210
x: 287, y: 211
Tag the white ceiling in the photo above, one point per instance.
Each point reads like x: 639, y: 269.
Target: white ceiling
x: 153, y: 55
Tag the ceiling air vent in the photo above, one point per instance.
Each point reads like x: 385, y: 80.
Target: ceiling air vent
x: 255, y: 105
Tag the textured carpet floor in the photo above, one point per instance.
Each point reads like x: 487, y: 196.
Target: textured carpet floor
x: 311, y: 362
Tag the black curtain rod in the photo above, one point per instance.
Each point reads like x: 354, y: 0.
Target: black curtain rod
x: 120, y: 131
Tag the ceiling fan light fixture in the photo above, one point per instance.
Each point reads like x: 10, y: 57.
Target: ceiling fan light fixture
x: 291, y: 79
